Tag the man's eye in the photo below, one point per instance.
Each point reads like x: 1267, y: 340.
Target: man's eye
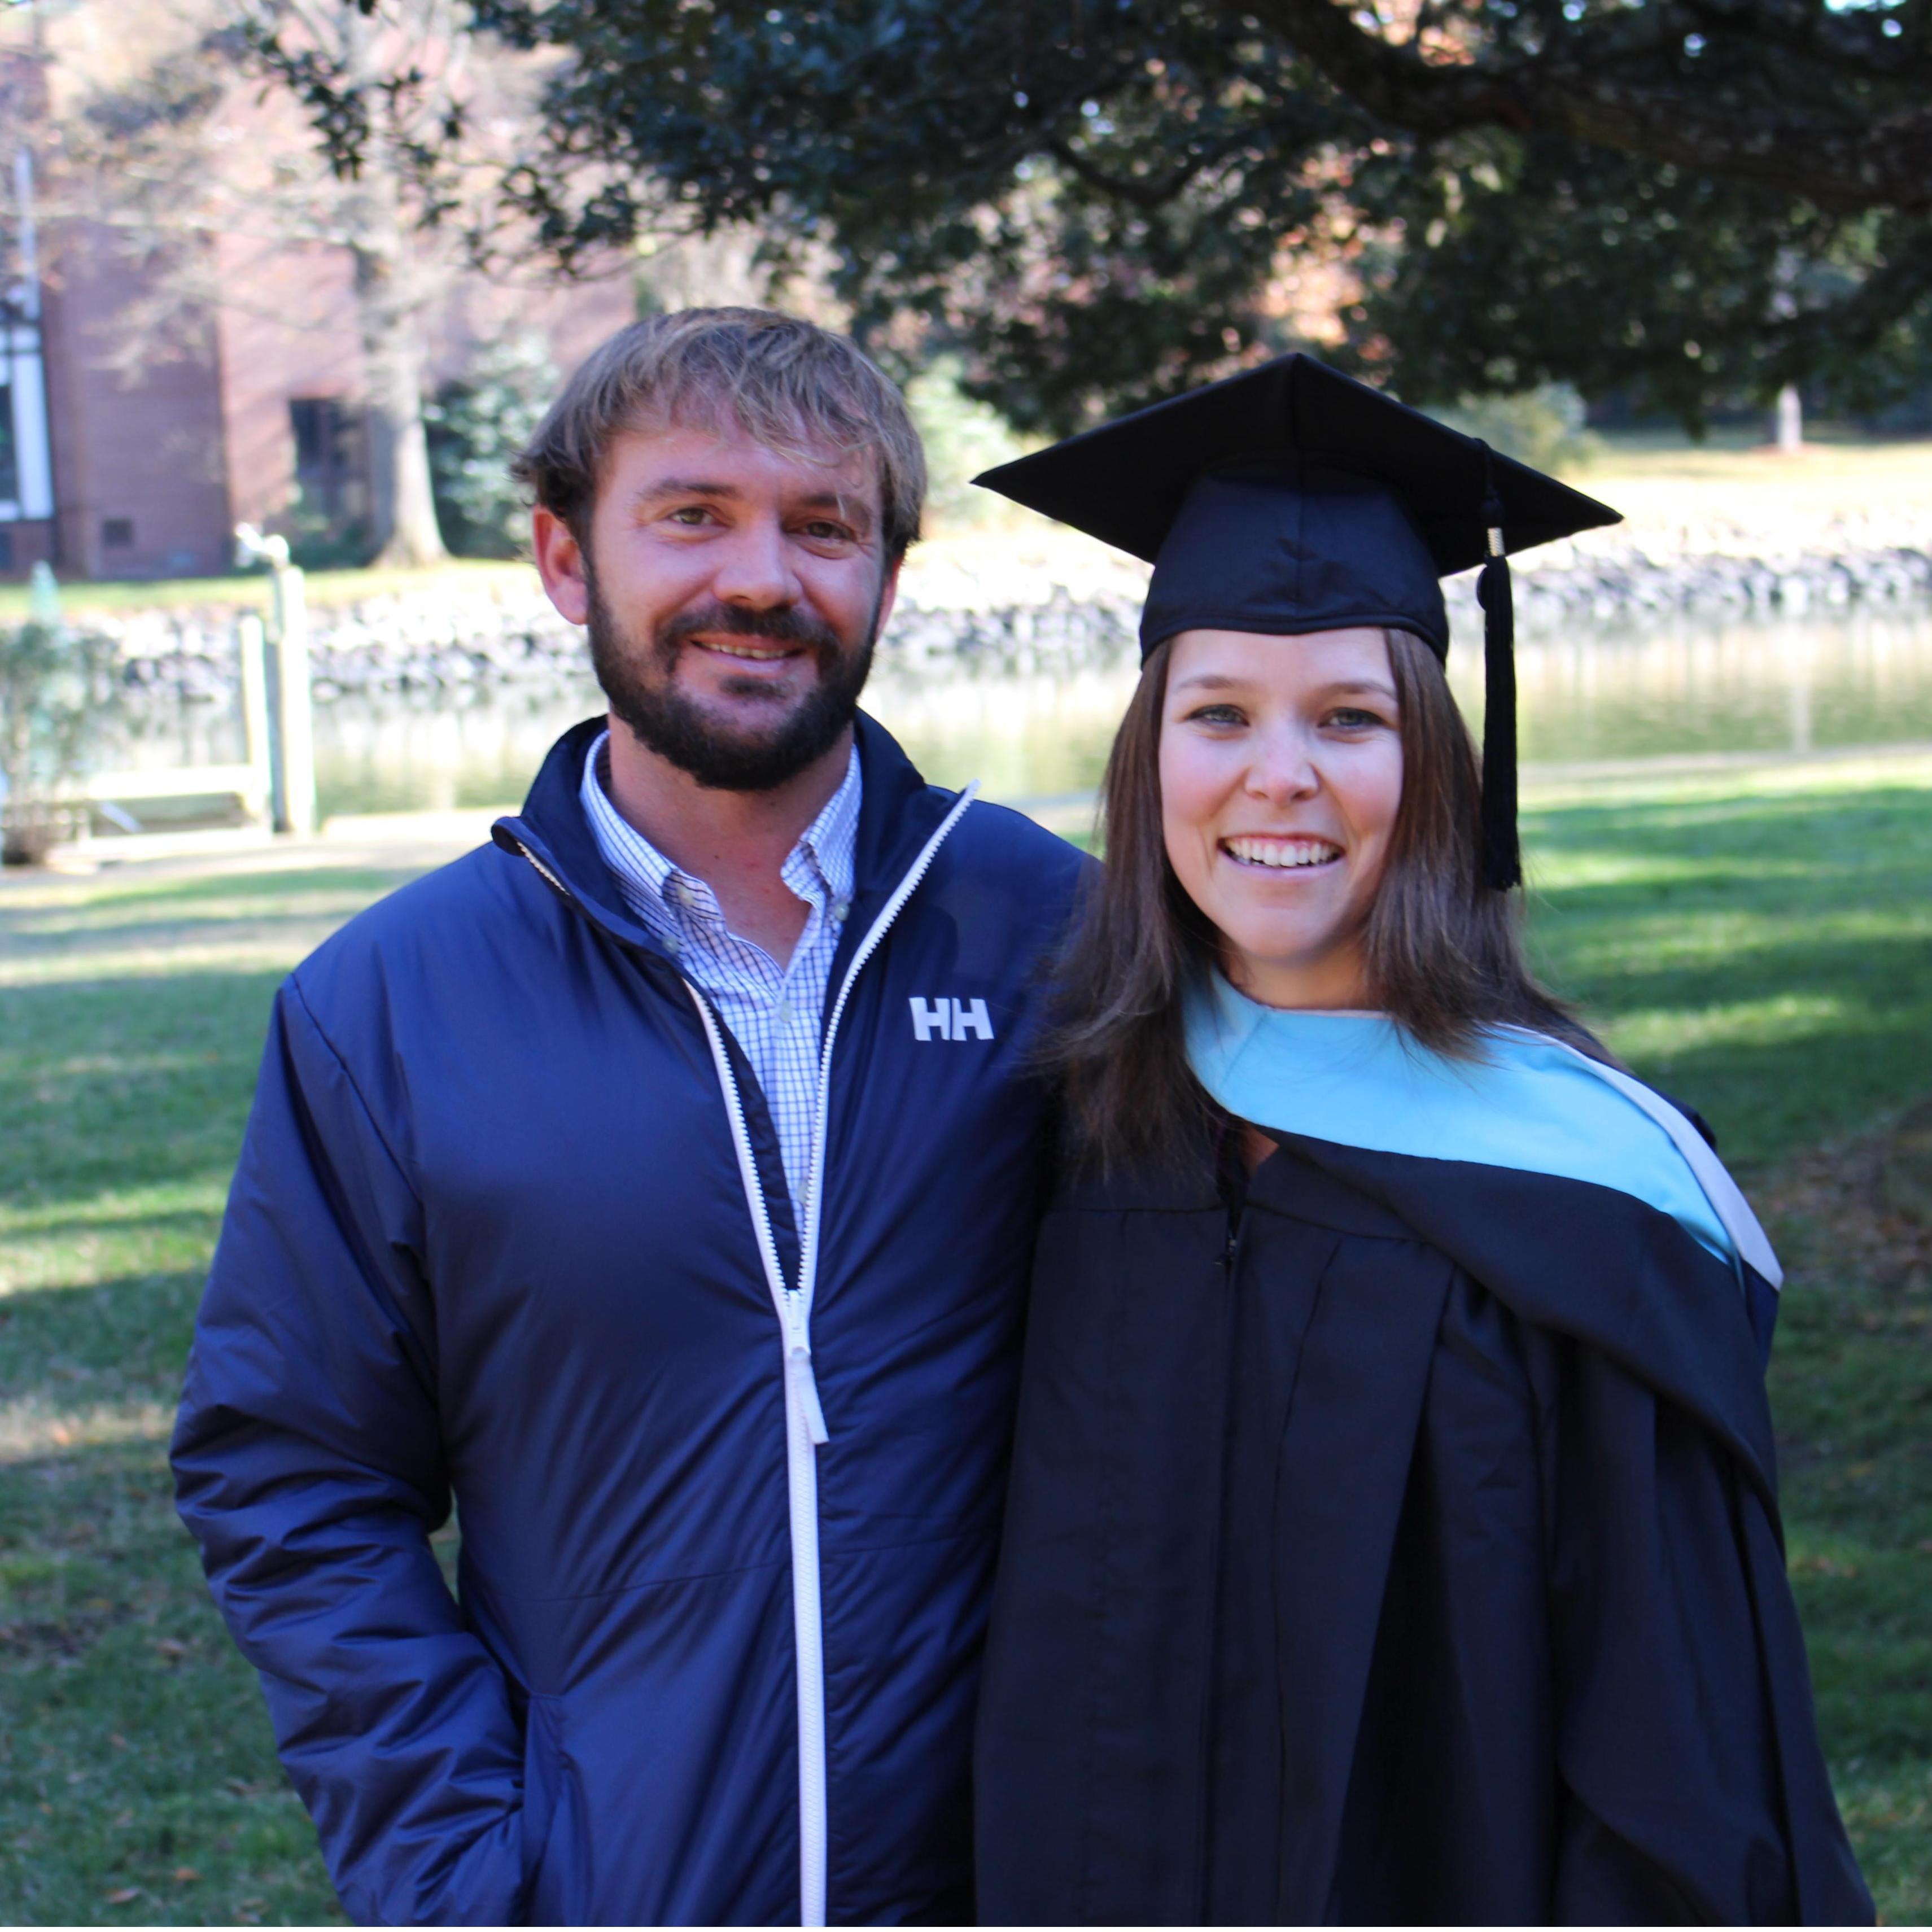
x: 690, y: 513
x: 822, y: 532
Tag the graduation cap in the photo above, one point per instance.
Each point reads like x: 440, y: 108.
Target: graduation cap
x: 1292, y: 499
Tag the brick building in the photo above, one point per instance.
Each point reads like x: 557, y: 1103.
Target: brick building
x: 113, y: 466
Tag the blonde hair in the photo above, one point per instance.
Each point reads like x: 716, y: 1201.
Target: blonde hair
x: 787, y: 384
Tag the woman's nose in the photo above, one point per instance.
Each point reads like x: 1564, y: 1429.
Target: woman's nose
x: 1283, y: 767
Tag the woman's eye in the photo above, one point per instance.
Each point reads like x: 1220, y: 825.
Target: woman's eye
x: 1349, y: 719
x: 1217, y: 714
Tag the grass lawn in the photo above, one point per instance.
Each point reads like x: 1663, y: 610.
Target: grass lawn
x: 1762, y: 948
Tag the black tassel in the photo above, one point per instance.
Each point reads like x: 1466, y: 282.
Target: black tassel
x: 1502, y: 855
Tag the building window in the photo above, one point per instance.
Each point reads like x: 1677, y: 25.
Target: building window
x: 6, y: 548
x: 328, y: 457
x: 10, y: 461
x: 117, y: 533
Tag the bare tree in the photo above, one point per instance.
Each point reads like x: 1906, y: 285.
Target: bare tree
x: 182, y: 125
x: 402, y: 77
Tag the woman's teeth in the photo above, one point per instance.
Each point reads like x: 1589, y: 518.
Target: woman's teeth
x: 1281, y: 854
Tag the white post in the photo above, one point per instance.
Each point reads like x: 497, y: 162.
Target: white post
x: 294, y: 714
x: 1790, y: 419
x: 291, y: 722
x: 251, y: 646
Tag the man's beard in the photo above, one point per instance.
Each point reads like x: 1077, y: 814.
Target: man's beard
x: 674, y: 725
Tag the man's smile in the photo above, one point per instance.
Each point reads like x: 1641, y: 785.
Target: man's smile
x: 747, y: 649
x: 750, y: 652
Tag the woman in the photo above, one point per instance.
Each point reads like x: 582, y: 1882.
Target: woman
x: 1393, y: 1534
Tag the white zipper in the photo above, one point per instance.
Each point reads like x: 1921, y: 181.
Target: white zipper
x: 805, y: 1419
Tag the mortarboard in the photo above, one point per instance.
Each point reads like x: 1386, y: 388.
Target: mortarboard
x: 1292, y: 499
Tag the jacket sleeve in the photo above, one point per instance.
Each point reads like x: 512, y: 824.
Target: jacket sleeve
x: 309, y: 1467
x: 1696, y: 1790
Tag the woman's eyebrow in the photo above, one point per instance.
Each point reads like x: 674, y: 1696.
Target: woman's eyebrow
x: 1209, y: 680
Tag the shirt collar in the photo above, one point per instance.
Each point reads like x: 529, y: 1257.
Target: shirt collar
x: 829, y: 843
x: 820, y: 869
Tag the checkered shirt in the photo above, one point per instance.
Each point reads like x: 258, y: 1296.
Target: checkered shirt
x: 773, y: 1010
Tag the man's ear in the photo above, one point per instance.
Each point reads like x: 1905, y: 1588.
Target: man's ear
x: 559, y: 561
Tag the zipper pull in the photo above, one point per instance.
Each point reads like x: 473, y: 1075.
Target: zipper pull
x: 799, y: 1357
x: 808, y: 1394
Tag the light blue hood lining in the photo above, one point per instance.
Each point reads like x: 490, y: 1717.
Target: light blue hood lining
x: 1531, y: 1103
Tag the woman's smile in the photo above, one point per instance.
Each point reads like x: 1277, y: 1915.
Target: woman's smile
x: 1281, y: 852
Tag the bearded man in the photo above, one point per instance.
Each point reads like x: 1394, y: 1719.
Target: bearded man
x: 658, y: 1184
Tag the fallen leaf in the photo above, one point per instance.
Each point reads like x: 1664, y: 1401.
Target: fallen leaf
x: 172, y: 1647
x: 184, y: 1875
x: 126, y: 1895
x: 115, y: 1738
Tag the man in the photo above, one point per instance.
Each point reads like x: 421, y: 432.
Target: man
x: 660, y: 1182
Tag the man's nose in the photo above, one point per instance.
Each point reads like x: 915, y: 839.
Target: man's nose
x: 754, y: 569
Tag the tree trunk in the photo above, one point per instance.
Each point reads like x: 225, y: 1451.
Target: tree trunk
x: 1790, y: 419
x: 390, y: 301
x: 402, y: 507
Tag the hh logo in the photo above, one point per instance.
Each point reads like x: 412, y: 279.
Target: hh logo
x: 950, y: 1019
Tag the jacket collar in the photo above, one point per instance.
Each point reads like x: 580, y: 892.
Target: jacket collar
x: 898, y: 812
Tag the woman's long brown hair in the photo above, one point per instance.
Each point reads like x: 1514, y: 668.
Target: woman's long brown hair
x: 1444, y: 952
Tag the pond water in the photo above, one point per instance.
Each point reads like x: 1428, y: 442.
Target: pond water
x: 1795, y: 686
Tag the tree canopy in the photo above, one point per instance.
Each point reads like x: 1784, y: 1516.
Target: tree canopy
x: 1098, y: 201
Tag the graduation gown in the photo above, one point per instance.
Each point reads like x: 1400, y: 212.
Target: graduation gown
x: 1398, y: 1543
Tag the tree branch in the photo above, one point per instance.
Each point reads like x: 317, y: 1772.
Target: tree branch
x: 1885, y: 163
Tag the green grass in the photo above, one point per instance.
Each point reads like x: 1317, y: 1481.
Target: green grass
x: 1766, y: 955
x: 1761, y: 947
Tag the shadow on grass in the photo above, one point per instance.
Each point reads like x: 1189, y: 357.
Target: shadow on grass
x: 102, y: 1341
x: 85, y: 1114
x: 299, y: 906
x: 1851, y: 1390
x: 138, y: 1783
x: 1771, y: 960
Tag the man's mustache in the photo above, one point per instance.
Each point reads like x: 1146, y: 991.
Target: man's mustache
x: 788, y: 624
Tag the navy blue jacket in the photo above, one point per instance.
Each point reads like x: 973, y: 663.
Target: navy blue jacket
x: 509, y: 1226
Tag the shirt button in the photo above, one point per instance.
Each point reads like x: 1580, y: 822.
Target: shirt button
x: 840, y: 907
